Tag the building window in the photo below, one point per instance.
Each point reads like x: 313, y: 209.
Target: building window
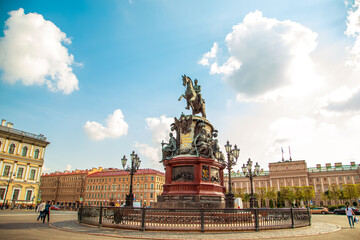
x: 12, y: 148
x: 32, y: 174
x: 6, y: 170
x: 151, y: 195
x: 20, y: 172
x: 2, y: 193
x: 28, y: 195
x: 15, y: 194
x: 152, y: 186
x: 36, y: 153
x: 24, y: 151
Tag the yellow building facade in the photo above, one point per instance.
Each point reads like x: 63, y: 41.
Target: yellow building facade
x: 21, y: 160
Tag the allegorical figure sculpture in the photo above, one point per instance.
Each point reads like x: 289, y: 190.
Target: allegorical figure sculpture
x: 170, y: 149
x: 193, y: 96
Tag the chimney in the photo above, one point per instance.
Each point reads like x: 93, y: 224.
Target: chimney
x: 328, y: 165
x: 352, y: 163
x: 338, y: 164
x: 3, y: 122
x: 318, y: 166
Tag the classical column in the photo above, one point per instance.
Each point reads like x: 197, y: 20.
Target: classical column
x: 19, y: 148
x: 278, y: 184
x: 299, y: 182
x: 13, y: 173
x: 39, y: 174
x: 337, y: 180
x: 322, y: 184
x: 344, y: 179
x: 307, y: 181
x: 247, y: 187
x: 292, y: 182
x: 314, y: 185
x: 353, y: 180
x: 270, y: 183
x: 26, y: 172
x: 1, y: 165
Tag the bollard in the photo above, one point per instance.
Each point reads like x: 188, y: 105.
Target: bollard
x: 143, y: 219
x: 292, y: 217
x: 100, y: 215
x: 256, y: 213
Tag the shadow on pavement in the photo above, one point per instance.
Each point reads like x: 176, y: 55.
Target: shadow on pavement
x: 23, y: 225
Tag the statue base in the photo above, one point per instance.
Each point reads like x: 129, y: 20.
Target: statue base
x: 192, y: 182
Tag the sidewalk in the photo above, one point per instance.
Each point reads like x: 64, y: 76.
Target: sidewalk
x: 315, y: 229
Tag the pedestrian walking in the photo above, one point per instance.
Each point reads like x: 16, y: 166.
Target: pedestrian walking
x: 40, y: 210
x: 47, y: 211
x: 350, y: 215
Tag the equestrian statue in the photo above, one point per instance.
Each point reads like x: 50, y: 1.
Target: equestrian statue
x: 193, y: 96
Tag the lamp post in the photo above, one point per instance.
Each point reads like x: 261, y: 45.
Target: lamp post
x: 232, y: 157
x: 251, y: 174
x: 7, y: 189
x: 135, y: 164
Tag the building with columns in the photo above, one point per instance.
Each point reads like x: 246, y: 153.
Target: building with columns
x: 296, y: 173
x: 21, y: 160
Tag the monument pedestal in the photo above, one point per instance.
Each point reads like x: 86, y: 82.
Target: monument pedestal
x: 192, y: 182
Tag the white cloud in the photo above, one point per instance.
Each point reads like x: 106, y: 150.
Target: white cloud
x: 266, y: 58
x: 115, y: 127
x: 152, y: 153
x: 32, y: 52
x: 45, y: 169
x: 209, y: 56
x: 159, y: 127
x: 68, y: 167
x: 353, y: 30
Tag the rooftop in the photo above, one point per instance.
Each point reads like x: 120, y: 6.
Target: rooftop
x: 123, y: 172
x: 9, y: 128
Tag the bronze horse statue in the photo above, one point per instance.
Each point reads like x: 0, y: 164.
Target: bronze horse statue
x: 193, y: 99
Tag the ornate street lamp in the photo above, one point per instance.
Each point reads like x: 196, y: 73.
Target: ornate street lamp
x: 135, y: 164
x: 251, y: 174
x: 232, y: 157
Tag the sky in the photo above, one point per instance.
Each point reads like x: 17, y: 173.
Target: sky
x: 101, y: 79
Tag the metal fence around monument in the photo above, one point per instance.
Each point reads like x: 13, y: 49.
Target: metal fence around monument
x: 194, y: 219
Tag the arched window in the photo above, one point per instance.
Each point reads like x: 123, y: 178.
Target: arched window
x: 24, y: 151
x: 12, y: 148
x: 36, y: 154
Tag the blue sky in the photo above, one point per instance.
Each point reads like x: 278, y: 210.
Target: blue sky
x: 102, y: 78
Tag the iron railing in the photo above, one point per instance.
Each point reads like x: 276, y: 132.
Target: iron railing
x: 194, y: 219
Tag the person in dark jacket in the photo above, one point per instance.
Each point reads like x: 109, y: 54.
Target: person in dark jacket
x: 47, y: 211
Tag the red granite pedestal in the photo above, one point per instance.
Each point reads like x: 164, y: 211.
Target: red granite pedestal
x: 192, y: 182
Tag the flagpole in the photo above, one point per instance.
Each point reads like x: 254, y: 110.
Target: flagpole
x: 290, y: 154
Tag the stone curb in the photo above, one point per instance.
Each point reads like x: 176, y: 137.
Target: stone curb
x: 233, y: 235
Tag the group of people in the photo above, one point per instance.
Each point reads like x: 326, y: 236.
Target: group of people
x: 44, y: 211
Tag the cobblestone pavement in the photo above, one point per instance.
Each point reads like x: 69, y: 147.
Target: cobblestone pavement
x: 63, y: 225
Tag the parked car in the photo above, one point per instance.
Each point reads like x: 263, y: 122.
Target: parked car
x: 319, y: 210
x: 342, y: 211
x: 54, y: 207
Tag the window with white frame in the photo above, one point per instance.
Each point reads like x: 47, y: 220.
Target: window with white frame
x: 36, y: 153
x: 28, y: 195
x: 24, y: 151
x: 11, y: 148
x: 6, y: 171
x: 15, y: 195
x: 20, y: 172
x: 32, y: 174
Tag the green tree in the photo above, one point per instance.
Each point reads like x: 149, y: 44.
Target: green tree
x: 309, y: 193
x: 287, y: 194
x: 271, y: 194
x: 261, y: 192
x: 325, y: 196
x: 349, y: 191
x: 298, y: 194
x: 335, y: 193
